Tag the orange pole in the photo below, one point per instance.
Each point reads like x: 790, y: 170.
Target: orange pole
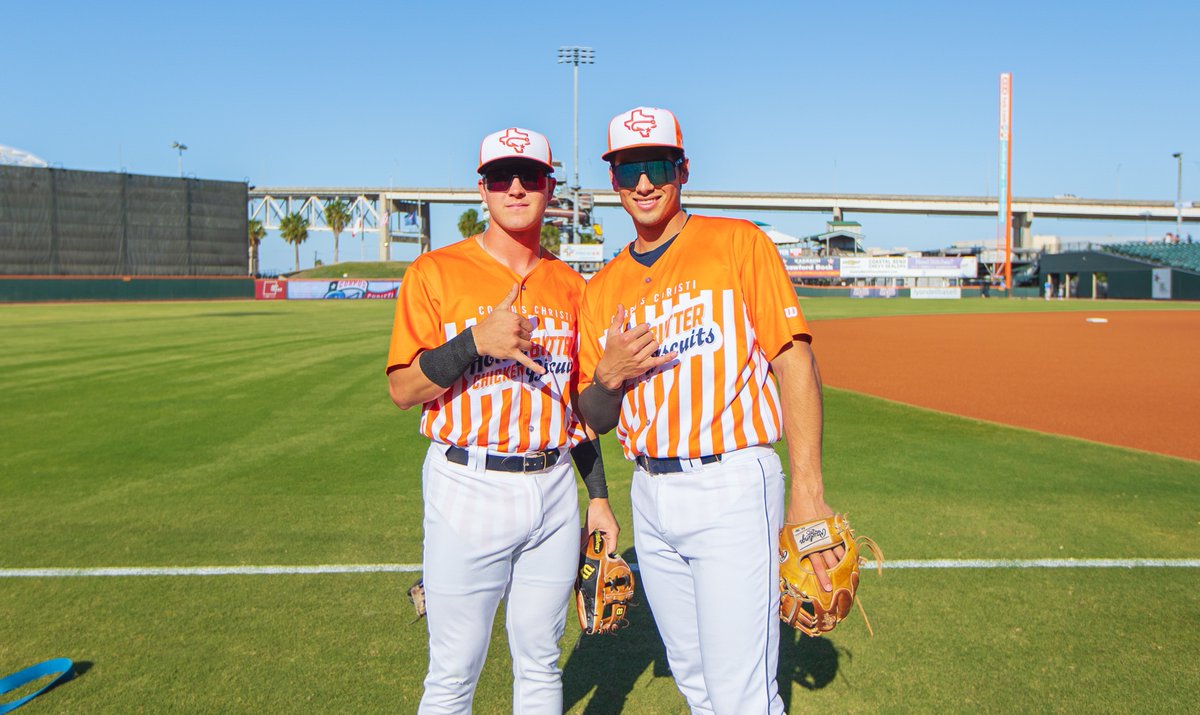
x: 1008, y: 198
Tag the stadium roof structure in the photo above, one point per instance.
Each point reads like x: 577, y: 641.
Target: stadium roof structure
x: 10, y: 156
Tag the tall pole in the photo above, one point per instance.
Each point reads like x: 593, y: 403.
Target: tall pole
x: 575, y: 167
x: 575, y: 56
x: 182, y: 148
x: 1178, y: 196
x: 1004, y: 195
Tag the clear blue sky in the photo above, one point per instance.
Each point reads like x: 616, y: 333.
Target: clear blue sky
x: 865, y: 98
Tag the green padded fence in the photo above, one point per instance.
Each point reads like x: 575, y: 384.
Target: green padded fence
x: 37, y: 289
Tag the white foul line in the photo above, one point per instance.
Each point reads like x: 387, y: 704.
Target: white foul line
x: 209, y: 570
x: 1039, y: 564
x: 415, y: 568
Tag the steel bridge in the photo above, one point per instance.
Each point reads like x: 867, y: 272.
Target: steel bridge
x: 402, y: 215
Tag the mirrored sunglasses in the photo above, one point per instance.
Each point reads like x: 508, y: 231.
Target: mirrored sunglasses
x: 658, y: 171
x: 532, y: 178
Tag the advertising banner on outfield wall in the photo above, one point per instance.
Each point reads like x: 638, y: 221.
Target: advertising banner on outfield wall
x: 910, y: 267
x: 341, y: 289
x: 874, y: 292
x: 811, y: 266
x: 875, y: 267
x: 931, y: 293
x: 270, y: 289
x: 943, y: 266
x: 1160, y: 284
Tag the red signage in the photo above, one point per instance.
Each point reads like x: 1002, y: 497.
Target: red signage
x: 267, y: 289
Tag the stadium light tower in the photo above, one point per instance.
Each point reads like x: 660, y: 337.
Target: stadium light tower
x: 573, y: 55
x: 1178, y: 196
x: 182, y: 148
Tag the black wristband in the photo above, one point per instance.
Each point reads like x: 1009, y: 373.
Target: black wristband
x: 600, y: 407
x: 590, y: 464
x: 446, y: 363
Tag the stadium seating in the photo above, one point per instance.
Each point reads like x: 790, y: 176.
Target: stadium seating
x: 1180, y: 255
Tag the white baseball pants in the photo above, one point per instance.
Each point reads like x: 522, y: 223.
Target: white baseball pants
x: 492, y: 535
x: 707, y: 550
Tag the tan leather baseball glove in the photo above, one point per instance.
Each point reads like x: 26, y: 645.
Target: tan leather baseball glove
x: 803, y: 604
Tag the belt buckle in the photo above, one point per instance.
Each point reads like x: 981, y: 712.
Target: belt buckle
x: 545, y: 458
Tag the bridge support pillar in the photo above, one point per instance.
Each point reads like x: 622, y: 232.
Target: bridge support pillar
x: 423, y: 213
x: 385, y: 214
x: 1022, y: 229
x: 837, y: 214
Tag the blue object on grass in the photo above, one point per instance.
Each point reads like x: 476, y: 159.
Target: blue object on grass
x: 9, y: 683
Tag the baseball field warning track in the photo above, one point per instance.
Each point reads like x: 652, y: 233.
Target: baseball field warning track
x: 1125, y: 378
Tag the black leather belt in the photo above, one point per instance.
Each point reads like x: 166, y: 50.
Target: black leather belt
x: 532, y: 462
x: 670, y: 465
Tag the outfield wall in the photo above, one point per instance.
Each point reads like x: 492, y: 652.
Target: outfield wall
x: 39, y: 289
x: 326, y: 289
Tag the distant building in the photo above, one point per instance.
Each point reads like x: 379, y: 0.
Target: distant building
x: 840, y: 238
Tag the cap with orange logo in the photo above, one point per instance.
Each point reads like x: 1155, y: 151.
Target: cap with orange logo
x: 643, y: 126
x: 515, y: 143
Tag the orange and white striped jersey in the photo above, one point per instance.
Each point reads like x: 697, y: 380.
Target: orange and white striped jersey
x: 720, y: 297
x: 498, y: 404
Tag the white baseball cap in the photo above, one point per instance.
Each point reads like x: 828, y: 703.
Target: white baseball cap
x: 515, y: 143
x: 643, y: 126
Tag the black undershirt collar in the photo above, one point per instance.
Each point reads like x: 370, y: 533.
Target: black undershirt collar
x: 648, y: 258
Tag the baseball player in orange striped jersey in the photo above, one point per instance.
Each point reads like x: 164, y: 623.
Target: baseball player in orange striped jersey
x: 485, y: 339
x: 695, y: 349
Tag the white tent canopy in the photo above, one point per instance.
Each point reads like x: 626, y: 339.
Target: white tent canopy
x: 16, y: 157
x: 776, y: 236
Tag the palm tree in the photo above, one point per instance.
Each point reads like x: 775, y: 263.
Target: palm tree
x: 551, y: 240
x: 256, y: 234
x: 469, y: 223
x: 294, y: 230
x: 337, y: 216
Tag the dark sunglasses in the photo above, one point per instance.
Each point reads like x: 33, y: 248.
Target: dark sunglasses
x: 532, y: 178
x: 658, y: 171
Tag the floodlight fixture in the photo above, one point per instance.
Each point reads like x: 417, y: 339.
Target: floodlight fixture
x: 182, y: 148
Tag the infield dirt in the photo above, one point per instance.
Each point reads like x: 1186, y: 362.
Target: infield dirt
x: 1132, y: 381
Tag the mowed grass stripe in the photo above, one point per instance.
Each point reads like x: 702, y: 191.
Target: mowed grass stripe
x: 249, y: 453
x: 250, y: 433
x: 127, y: 571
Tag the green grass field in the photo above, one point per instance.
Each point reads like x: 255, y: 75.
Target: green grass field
x: 355, y: 269
x: 241, y: 433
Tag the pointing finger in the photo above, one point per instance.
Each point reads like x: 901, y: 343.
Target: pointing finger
x: 663, y: 360
x: 529, y: 363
